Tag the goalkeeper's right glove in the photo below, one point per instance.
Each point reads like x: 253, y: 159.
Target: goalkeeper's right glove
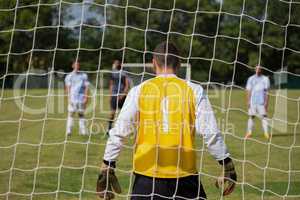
x: 107, y: 182
x: 229, y: 176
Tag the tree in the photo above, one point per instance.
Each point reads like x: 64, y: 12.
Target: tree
x: 215, y: 43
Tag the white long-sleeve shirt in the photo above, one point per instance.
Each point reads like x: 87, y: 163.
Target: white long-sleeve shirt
x: 78, y: 82
x: 258, y: 87
x: 205, y: 124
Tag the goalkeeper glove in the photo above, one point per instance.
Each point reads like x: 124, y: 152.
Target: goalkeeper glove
x: 107, y: 182
x: 228, y: 178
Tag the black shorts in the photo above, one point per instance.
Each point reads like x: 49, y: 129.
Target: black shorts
x: 167, y: 188
x: 116, y: 102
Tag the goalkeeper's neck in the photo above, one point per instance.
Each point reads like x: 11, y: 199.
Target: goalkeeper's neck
x: 161, y: 71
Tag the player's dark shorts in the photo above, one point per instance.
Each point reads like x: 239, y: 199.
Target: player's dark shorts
x: 116, y: 102
x: 167, y: 188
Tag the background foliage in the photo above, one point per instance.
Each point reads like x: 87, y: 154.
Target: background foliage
x: 222, y: 40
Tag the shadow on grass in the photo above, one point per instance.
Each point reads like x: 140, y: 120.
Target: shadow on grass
x: 285, y: 134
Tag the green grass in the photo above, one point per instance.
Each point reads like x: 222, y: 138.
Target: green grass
x: 37, y: 160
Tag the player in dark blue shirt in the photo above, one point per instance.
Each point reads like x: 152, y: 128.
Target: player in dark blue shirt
x: 118, y: 89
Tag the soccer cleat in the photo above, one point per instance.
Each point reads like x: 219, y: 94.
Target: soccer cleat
x: 248, y: 135
x: 267, y: 136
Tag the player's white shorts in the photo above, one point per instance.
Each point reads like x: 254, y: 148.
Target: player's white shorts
x: 76, y: 107
x: 257, y: 110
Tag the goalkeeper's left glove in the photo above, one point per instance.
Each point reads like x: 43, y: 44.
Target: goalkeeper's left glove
x: 107, y: 182
x: 229, y: 176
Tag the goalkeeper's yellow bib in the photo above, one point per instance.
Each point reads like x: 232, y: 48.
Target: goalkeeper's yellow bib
x: 165, y: 138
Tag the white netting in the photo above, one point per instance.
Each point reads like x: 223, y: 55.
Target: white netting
x: 220, y: 42
x: 139, y: 72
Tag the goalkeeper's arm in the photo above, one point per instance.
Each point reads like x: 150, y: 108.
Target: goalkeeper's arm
x: 206, y: 125
x: 123, y: 126
x: 107, y: 181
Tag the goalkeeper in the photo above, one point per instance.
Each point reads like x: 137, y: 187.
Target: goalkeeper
x: 77, y: 90
x: 168, y: 112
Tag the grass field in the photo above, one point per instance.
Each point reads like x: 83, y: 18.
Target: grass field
x: 37, y: 160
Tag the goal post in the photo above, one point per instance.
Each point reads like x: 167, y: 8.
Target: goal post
x: 139, y: 72
x: 185, y: 67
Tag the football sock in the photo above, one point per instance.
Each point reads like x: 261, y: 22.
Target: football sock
x: 70, y: 123
x: 82, y: 127
x: 250, y: 125
x: 265, y: 124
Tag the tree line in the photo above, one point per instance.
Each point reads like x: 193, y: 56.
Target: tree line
x: 222, y: 39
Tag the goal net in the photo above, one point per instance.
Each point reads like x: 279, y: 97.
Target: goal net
x: 139, y: 72
x: 220, y: 43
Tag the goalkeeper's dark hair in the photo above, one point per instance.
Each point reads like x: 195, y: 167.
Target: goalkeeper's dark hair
x: 166, y: 55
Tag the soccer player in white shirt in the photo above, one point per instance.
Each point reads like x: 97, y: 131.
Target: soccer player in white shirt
x: 77, y: 90
x: 257, y: 99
